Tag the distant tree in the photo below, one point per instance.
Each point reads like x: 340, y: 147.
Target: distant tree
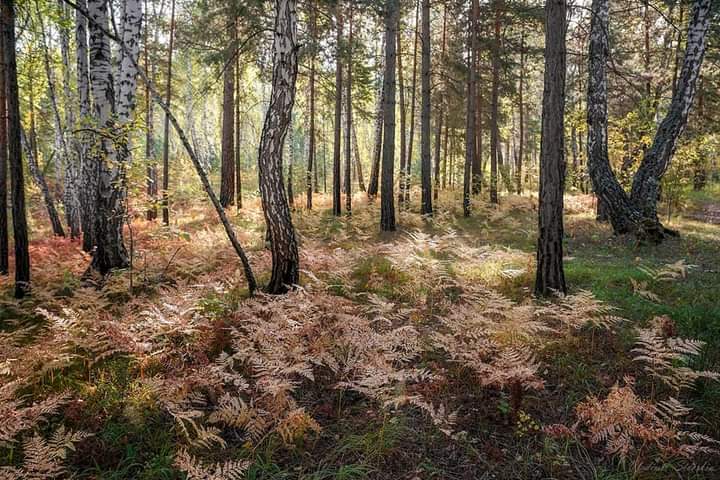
x: 283, y: 241
x: 550, y: 276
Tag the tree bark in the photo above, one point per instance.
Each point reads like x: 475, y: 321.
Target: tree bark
x: 476, y: 167
x: 403, y: 184
x: 17, y: 186
x: 387, y: 200
x: 348, y: 117
x: 521, y: 119
x: 283, y: 242
x: 494, y: 116
x: 646, y: 183
x: 166, y: 125
x: 425, y: 165
x: 4, y: 243
x: 550, y: 276
x: 311, y: 167
x: 358, y: 163
x: 411, y: 137
x: 439, y: 117
x: 337, y: 208
x: 151, y: 167
x: 238, y: 136
x: 88, y: 161
x: 227, y: 168
x: 470, y: 141
x: 377, y: 143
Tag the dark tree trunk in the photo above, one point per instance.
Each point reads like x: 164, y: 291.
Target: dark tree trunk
x: 166, y: 125
x: 4, y: 244
x: 440, y: 113
x: 387, y: 200
x: 348, y: 117
x: 494, y: 116
x: 358, y: 162
x: 337, y: 208
x: 290, y: 143
x: 17, y: 186
x: 377, y: 143
x: 238, y: 136
x: 470, y: 116
x: 227, y: 167
x: 403, y: 121
x: 425, y: 164
x: 151, y: 167
x: 550, y: 274
x: 475, y: 45
x: 521, y: 120
x: 283, y: 242
x: 311, y: 167
x: 413, y: 104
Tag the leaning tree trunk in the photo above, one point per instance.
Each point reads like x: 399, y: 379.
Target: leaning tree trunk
x: 425, y: 163
x: 337, y: 207
x: 550, y: 276
x: 646, y: 184
x: 227, y: 167
x: 4, y: 244
x: 39, y: 178
x: 110, y: 252
x: 387, y: 201
x: 17, y: 185
x: 283, y: 242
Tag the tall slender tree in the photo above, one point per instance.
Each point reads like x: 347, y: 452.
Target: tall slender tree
x: 311, y: 161
x: 550, y: 276
x: 4, y: 243
x: 283, y: 241
x: 337, y: 208
x: 17, y: 185
x: 476, y: 167
x: 494, y: 100
x: 348, y: 116
x: 166, y: 125
x: 407, y: 174
x: 387, y: 201
x: 425, y: 164
x: 440, y: 112
x: 404, y: 183
x: 470, y: 143
x: 227, y: 166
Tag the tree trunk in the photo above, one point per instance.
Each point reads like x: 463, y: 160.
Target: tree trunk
x: 494, y: 116
x: 17, y: 186
x: 283, y: 242
x: 358, y: 163
x: 4, y: 243
x: 413, y: 95
x: 425, y: 165
x: 377, y: 143
x: 445, y: 155
x: 387, y: 200
x: 88, y: 162
x: 521, y: 119
x: 151, y: 167
x: 290, y: 144
x: 476, y: 167
x: 238, y: 136
x: 403, y: 122
x: 337, y: 208
x: 311, y: 167
x: 348, y: 117
x: 550, y: 276
x: 166, y: 125
x: 227, y: 168
x: 646, y: 184
x: 440, y: 104
x: 39, y: 178
x: 71, y: 197
x: 470, y: 141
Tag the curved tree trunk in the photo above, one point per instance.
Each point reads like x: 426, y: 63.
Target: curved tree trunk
x: 43, y: 186
x: 646, y: 184
x: 550, y: 276
x: 387, y: 200
x: 283, y: 242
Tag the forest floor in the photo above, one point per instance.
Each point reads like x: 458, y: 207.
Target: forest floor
x: 373, y: 369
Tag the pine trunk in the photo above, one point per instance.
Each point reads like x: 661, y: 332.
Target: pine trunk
x: 17, y: 185
x: 348, y: 117
x: 227, y: 167
x: 311, y: 162
x: 387, y: 200
x: 403, y: 121
x: 283, y: 242
x: 550, y: 276
x: 4, y: 235
x: 494, y: 99
x: 337, y: 208
x: 425, y: 163
x: 470, y: 142
x: 166, y: 124
x: 358, y: 163
x: 476, y: 167
x: 377, y: 143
